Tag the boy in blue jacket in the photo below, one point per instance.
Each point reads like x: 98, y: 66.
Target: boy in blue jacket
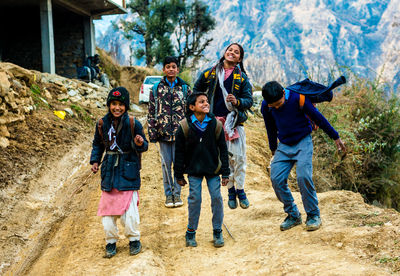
x: 201, y: 152
x: 287, y: 121
x: 122, y: 139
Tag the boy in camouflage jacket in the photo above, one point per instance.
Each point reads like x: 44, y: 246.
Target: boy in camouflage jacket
x: 166, y: 109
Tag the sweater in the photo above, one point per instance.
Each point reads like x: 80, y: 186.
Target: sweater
x: 289, y: 123
x: 203, y: 155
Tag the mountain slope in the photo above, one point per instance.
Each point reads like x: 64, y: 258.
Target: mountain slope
x: 285, y: 39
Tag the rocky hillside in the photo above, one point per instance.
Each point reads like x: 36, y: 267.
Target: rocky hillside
x: 285, y: 39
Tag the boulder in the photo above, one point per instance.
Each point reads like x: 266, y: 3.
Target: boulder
x: 4, y: 84
x: 4, y: 131
x: 4, y: 142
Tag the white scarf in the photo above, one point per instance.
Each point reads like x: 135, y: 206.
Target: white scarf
x: 231, y: 118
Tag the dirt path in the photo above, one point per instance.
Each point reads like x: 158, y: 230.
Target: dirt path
x: 355, y: 237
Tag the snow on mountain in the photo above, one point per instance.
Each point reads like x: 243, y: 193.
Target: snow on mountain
x: 286, y: 40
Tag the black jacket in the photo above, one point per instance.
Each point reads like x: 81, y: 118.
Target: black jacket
x: 201, y: 156
x: 126, y: 175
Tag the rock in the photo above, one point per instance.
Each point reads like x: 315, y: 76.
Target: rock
x: 72, y: 93
x: 62, y: 97
x: 69, y: 111
x: 17, y: 84
x: 4, y: 142
x: 47, y: 94
x: 5, y: 120
x: 4, y: 84
x: 93, y: 85
x: 19, y: 72
x: 4, y: 131
x: 76, y: 99
x: 99, y: 104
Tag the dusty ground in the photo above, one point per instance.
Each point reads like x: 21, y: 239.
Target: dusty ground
x: 48, y: 222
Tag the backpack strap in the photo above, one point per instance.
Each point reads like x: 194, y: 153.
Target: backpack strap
x: 302, y: 99
x: 218, y: 129
x: 185, y: 127
x: 132, y: 124
x: 184, y: 90
x: 100, y: 129
x: 155, y: 92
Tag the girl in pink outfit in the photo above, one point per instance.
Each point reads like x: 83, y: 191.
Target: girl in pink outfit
x: 122, y: 139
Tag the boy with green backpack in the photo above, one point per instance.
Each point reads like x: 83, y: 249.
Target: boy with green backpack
x: 201, y: 152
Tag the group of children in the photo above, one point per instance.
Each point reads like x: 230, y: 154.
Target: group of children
x: 201, y: 133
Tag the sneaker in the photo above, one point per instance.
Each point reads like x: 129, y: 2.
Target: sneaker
x: 191, y: 238
x: 313, y: 223
x: 243, y: 201
x: 178, y: 201
x: 111, y: 250
x: 169, y: 201
x: 290, y: 222
x: 218, y: 238
x: 232, y: 203
x: 135, y: 247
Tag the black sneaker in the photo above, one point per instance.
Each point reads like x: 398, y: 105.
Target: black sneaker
x: 290, y: 222
x: 135, y: 247
x: 313, y: 223
x: 218, y: 238
x: 191, y: 238
x: 111, y: 250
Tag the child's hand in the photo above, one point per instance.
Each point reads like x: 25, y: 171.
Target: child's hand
x: 224, y: 181
x: 138, y: 140
x: 95, y: 167
x: 341, y: 148
x: 231, y: 99
x: 181, y: 182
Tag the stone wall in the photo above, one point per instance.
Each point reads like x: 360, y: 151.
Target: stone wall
x: 16, y: 100
x: 68, y: 42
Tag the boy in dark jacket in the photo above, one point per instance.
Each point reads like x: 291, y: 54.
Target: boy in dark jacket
x: 201, y: 151
x: 122, y: 138
x: 287, y: 121
x: 166, y: 109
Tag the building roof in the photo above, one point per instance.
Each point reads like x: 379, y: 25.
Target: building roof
x: 95, y: 8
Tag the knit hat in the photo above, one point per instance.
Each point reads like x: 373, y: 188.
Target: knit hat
x: 119, y: 94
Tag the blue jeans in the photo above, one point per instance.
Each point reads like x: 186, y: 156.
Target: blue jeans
x: 194, y: 201
x: 171, y: 187
x: 285, y: 158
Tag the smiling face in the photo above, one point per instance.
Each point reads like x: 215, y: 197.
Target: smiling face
x: 201, y: 105
x: 232, y: 54
x: 117, y: 108
x: 171, y: 70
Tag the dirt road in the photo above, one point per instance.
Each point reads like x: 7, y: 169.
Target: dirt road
x: 66, y: 237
